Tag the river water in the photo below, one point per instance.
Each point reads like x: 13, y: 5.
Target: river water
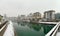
x: 32, y: 29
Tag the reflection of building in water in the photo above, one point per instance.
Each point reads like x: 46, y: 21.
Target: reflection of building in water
x: 49, y: 15
x: 33, y: 28
x: 38, y: 27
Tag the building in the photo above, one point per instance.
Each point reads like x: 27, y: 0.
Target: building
x: 49, y: 15
x: 35, y: 17
x: 23, y: 18
x: 30, y: 16
x: 18, y: 18
x: 5, y: 16
x: 14, y: 19
x: 57, y: 16
x: 1, y: 17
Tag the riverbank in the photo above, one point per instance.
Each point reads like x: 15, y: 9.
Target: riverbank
x: 49, y: 22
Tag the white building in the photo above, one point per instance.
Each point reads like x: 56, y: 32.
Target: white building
x: 49, y: 15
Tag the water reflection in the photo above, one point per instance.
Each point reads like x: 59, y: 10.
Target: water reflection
x: 32, y: 29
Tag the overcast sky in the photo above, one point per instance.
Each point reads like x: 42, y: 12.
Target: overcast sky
x: 15, y: 7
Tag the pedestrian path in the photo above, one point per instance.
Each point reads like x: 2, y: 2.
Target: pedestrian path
x: 9, y: 31
x: 58, y: 32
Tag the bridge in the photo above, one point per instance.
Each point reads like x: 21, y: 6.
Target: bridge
x: 8, y: 30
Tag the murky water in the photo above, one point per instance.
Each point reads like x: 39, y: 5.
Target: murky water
x: 32, y: 29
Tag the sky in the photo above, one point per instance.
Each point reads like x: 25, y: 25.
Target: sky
x: 24, y: 7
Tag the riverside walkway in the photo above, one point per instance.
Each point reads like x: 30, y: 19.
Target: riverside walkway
x: 7, y: 29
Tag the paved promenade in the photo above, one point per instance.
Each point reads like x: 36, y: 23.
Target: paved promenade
x: 10, y: 30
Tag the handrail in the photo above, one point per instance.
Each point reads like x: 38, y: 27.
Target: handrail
x: 53, y: 30
x: 2, y: 28
x: 3, y: 25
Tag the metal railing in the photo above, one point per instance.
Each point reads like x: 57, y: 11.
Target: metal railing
x: 53, y: 30
x: 3, y: 25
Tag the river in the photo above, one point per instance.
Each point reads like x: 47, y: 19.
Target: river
x: 31, y: 29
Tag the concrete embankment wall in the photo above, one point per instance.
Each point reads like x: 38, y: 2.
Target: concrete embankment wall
x: 49, y: 22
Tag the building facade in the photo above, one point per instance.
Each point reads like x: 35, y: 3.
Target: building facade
x: 57, y: 16
x: 49, y: 15
x: 35, y: 17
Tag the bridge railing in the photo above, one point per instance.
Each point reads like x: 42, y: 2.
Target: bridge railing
x: 53, y: 30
